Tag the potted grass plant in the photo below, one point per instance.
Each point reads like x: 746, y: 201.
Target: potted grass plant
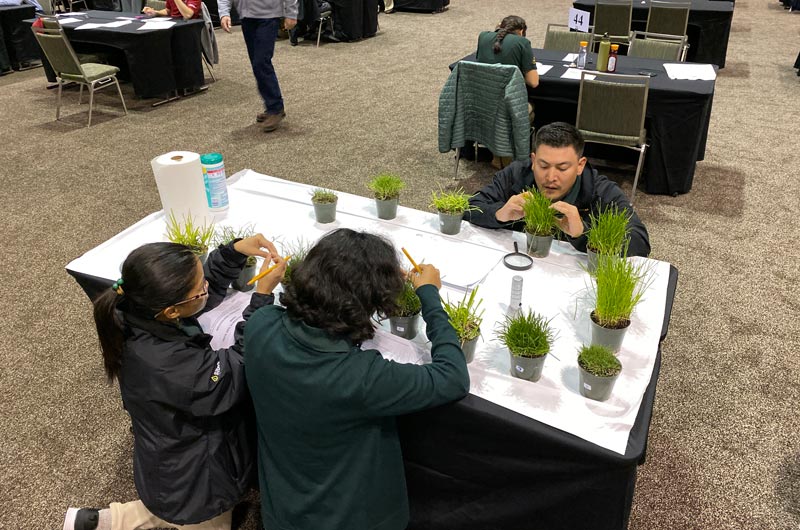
x: 599, y: 369
x: 619, y: 286
x: 225, y: 236
x: 195, y: 236
x: 387, y: 188
x: 466, y: 318
x: 406, y: 318
x: 540, y: 223
x: 607, y: 235
x: 324, y: 202
x: 528, y: 337
x: 297, y: 251
x: 451, y: 206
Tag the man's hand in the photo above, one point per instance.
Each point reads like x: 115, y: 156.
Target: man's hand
x: 513, y: 209
x: 289, y: 23
x: 225, y: 22
x: 429, y: 275
x: 571, y: 224
x: 268, y: 283
x: 255, y: 245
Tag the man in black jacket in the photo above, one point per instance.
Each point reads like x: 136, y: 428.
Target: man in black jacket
x: 559, y: 170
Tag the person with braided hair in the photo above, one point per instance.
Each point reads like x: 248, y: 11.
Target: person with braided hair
x: 508, y: 45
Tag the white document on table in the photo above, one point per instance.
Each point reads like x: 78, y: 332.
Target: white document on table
x: 575, y: 73
x: 570, y: 57
x: 90, y: 25
x: 691, y: 72
x: 117, y: 24
x: 221, y: 321
x: 157, y: 24
x: 397, y: 349
x: 126, y: 18
x: 69, y: 20
x: 543, y: 68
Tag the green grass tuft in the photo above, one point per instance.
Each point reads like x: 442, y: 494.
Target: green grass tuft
x: 298, y: 250
x: 323, y: 196
x: 599, y: 361
x: 464, y: 316
x: 452, y: 202
x: 540, y: 218
x: 526, y: 334
x: 619, y: 286
x: 408, y: 303
x: 197, y: 237
x: 608, y: 231
x: 386, y: 186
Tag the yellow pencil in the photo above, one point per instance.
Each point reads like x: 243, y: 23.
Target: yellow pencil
x: 264, y: 273
x: 414, y: 263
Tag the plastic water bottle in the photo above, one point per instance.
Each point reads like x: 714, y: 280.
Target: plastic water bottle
x: 215, y: 181
x: 582, y: 54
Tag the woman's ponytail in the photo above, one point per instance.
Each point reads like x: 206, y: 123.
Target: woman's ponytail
x: 109, y: 331
x: 510, y: 24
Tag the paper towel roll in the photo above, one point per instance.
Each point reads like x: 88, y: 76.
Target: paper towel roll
x: 179, y: 177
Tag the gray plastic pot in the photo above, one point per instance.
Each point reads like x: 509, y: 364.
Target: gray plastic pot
x: 325, y: 212
x: 468, y: 348
x: 247, y: 273
x: 610, y: 338
x: 528, y: 368
x: 539, y: 246
x: 596, y: 387
x: 450, y: 224
x: 405, y: 327
x: 387, y: 209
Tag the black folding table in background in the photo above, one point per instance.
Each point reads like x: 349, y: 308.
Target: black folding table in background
x: 708, y: 31
x: 16, y: 37
x: 429, y: 6
x: 355, y: 19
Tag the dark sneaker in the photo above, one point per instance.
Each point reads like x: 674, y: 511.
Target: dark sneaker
x: 272, y: 121
x: 81, y: 519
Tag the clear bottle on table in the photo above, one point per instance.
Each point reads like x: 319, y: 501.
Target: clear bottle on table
x: 582, y: 54
x: 612, y: 58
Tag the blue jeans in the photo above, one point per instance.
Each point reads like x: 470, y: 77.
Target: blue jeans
x: 259, y: 35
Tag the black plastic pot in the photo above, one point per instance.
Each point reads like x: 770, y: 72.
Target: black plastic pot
x: 405, y: 327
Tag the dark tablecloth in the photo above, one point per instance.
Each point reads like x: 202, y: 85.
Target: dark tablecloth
x: 474, y: 465
x: 355, y: 19
x: 708, y: 31
x: 420, y: 5
x: 17, y: 43
x: 677, y: 117
x: 157, y: 61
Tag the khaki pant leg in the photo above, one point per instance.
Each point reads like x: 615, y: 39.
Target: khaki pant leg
x: 135, y: 516
x: 389, y: 4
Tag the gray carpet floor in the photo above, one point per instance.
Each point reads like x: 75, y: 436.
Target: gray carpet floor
x: 724, y: 450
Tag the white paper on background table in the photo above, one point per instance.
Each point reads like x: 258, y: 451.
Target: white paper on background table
x: 543, y: 68
x: 690, y: 72
x: 118, y: 23
x: 69, y: 20
x: 575, y: 73
x: 89, y: 25
x: 157, y: 24
x: 556, y: 287
x: 570, y: 57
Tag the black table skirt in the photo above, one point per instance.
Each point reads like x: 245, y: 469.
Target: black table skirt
x: 708, y: 31
x: 355, y: 19
x: 474, y: 465
x: 157, y: 62
x: 677, y: 118
x: 420, y: 5
x: 797, y: 63
x: 16, y: 38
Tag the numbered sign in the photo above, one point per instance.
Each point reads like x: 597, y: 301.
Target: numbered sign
x: 578, y: 20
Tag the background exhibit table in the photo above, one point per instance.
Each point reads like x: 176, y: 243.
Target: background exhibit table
x: 17, y: 44
x: 459, y: 456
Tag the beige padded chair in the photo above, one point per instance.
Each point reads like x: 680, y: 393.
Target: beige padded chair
x: 560, y: 37
x: 670, y: 18
x: 68, y: 68
x: 613, y: 17
x: 611, y: 110
x: 657, y: 46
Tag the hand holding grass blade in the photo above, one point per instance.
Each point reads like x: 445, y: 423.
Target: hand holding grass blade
x: 265, y: 272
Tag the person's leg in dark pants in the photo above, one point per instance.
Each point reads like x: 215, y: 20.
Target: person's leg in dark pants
x: 259, y: 36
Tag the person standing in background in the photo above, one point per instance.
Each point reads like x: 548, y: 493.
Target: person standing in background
x: 261, y: 20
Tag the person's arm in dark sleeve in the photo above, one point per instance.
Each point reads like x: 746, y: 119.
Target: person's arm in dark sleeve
x: 222, y: 267
x: 609, y: 193
x: 391, y: 389
x: 505, y: 184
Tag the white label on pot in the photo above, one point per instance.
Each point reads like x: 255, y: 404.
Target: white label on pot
x: 520, y: 369
x: 587, y: 386
x: 400, y: 328
x: 441, y: 222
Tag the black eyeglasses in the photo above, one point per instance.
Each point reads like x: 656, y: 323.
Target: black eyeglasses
x: 192, y: 299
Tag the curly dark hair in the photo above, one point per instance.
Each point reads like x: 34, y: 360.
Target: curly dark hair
x: 508, y: 25
x: 346, y: 278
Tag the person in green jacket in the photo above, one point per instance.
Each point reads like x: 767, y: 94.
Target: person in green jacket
x: 328, y: 451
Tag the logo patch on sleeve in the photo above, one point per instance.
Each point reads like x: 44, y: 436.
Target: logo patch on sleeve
x: 215, y: 375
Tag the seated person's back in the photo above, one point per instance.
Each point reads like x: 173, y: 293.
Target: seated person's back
x: 508, y: 45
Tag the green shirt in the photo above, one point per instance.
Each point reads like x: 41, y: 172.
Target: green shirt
x: 329, y: 456
x: 515, y: 50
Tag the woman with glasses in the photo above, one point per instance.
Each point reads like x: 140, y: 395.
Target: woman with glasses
x: 189, y: 405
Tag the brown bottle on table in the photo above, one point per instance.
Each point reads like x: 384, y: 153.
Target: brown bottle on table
x: 612, y: 58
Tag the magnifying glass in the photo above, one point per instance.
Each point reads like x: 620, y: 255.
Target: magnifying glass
x: 517, y: 261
